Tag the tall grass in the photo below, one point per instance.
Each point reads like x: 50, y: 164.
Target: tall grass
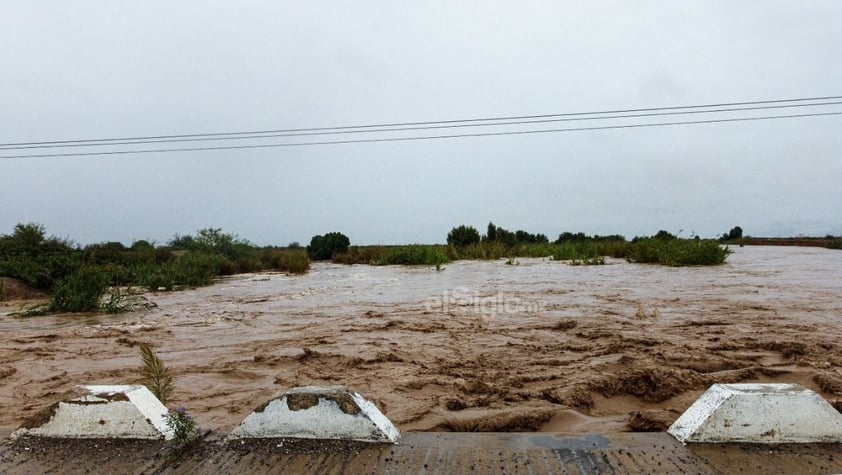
x: 489, y: 250
x: 156, y: 376
x: 360, y: 255
x: 575, y: 251
x: 293, y: 261
x: 412, y: 255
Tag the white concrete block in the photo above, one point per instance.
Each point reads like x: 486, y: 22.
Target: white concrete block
x: 318, y: 412
x: 759, y: 413
x: 123, y: 411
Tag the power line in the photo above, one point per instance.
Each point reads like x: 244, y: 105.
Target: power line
x: 429, y: 137
x: 416, y: 128
x: 409, y: 124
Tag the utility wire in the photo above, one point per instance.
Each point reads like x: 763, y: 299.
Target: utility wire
x: 429, y: 137
x: 415, y: 128
x: 408, y: 124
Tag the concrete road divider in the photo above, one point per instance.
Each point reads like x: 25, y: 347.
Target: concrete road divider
x: 759, y: 413
x: 124, y: 411
x: 318, y: 412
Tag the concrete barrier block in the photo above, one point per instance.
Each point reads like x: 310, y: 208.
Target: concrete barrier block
x: 318, y: 412
x: 121, y: 411
x: 759, y: 413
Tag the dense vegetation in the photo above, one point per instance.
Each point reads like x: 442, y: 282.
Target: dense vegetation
x: 79, y: 277
x: 465, y: 242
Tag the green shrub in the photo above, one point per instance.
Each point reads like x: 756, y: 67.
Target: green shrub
x: 835, y: 243
x: 196, y: 269
x: 153, y: 276
x: 192, y: 269
x: 38, y: 261
x: 80, y: 291
x: 182, y: 426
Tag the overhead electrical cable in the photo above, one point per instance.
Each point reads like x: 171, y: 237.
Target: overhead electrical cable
x: 491, y: 120
x: 429, y: 137
x: 93, y: 143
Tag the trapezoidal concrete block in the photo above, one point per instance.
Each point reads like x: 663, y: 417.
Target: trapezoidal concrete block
x: 93, y: 412
x: 318, y: 412
x: 760, y: 414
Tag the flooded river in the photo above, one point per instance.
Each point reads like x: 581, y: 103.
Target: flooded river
x: 539, y: 345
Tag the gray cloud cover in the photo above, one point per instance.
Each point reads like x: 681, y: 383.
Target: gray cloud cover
x: 110, y: 69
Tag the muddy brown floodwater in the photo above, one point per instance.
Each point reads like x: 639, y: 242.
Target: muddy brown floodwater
x: 481, y: 346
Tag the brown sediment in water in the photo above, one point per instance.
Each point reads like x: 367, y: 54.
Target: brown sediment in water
x: 539, y: 346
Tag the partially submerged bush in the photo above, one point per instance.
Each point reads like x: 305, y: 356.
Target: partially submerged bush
x: 678, y: 252
x: 80, y: 291
x: 412, y: 255
x: 360, y: 255
x: 293, y: 261
x: 123, y: 300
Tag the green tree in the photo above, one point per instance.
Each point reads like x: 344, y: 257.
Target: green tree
x: 491, y: 233
x: 735, y: 233
x: 462, y: 236
x: 29, y: 235
x: 324, y: 247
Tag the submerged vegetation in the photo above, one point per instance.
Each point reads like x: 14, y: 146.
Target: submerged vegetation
x: 677, y: 252
x: 99, y: 277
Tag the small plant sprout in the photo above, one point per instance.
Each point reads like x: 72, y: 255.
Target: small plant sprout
x: 181, y: 424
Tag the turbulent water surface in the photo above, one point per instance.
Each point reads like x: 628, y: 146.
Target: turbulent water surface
x: 539, y: 345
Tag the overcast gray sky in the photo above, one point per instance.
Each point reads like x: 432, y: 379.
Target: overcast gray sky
x: 98, y: 69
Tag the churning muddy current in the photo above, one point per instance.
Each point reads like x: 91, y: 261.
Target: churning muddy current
x: 479, y: 346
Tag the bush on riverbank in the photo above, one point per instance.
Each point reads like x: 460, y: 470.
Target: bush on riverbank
x: 78, y: 277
